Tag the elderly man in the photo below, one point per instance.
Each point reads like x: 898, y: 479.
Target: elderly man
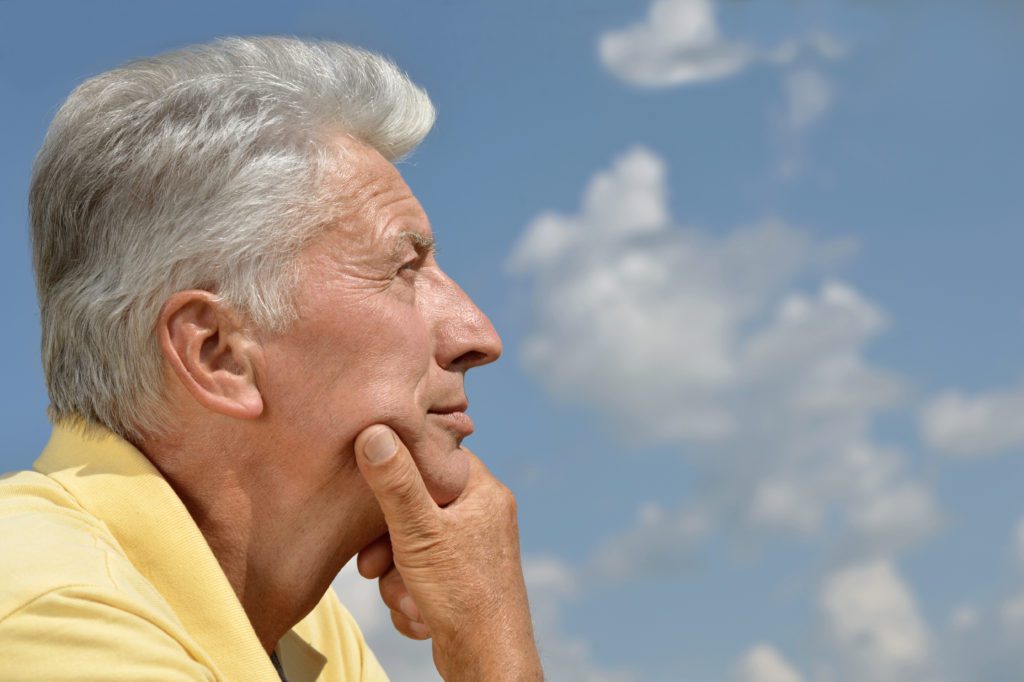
x: 256, y: 370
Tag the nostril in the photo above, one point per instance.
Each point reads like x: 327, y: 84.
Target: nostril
x: 469, y: 359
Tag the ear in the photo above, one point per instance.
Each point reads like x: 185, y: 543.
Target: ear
x: 211, y: 353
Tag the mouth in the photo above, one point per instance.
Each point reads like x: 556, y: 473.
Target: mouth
x: 454, y: 418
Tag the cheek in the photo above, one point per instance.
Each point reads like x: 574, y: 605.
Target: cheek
x: 374, y: 374
x: 389, y: 370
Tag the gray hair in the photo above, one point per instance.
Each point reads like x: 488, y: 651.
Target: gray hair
x: 202, y: 168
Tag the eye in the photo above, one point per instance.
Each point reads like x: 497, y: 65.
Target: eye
x: 414, y: 263
x: 409, y: 269
x: 411, y: 265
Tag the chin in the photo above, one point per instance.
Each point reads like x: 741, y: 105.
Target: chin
x: 446, y: 473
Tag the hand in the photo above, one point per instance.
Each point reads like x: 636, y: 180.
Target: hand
x: 460, y: 564
x: 376, y: 561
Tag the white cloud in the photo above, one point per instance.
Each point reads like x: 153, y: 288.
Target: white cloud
x: 763, y: 663
x: 643, y: 316
x: 679, y: 42
x: 982, y: 424
x: 874, y: 624
x: 679, y: 335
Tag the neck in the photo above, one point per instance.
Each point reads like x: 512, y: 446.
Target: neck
x: 280, y: 540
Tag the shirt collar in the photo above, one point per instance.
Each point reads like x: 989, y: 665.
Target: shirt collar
x: 116, y: 483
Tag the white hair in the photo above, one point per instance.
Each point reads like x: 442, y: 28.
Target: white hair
x: 202, y: 168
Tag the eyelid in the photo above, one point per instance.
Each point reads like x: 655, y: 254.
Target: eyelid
x: 417, y: 260
x: 422, y: 254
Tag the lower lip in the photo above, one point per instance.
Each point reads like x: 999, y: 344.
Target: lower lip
x: 459, y: 422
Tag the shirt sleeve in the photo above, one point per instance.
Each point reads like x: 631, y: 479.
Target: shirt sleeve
x: 79, y: 633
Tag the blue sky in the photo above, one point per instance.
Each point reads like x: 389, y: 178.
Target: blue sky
x: 756, y: 269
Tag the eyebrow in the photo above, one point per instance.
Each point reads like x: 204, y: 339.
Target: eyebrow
x: 423, y: 243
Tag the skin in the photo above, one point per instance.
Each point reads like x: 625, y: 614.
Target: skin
x: 262, y: 447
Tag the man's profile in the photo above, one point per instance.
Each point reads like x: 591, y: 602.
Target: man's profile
x: 256, y: 372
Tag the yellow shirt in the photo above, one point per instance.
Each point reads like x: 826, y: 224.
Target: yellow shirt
x: 105, y: 576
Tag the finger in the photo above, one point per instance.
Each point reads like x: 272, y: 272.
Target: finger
x: 397, y: 598
x: 392, y: 475
x: 409, y: 628
x: 376, y: 558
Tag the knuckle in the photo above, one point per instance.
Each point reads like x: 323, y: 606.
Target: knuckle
x: 506, y: 500
x: 400, y: 483
x: 402, y: 493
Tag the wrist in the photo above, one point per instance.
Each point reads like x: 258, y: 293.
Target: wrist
x: 505, y: 652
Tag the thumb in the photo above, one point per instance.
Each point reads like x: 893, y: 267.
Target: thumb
x: 392, y: 475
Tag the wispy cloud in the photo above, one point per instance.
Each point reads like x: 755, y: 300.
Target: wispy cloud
x: 809, y: 95
x: 983, y: 640
x: 403, y: 659
x: 677, y: 335
x: 1018, y: 544
x: 662, y: 542
x: 551, y: 583
x: 964, y: 618
x: 679, y: 42
x: 764, y: 663
x: 974, y: 425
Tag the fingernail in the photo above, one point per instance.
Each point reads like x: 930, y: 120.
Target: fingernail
x: 380, y: 446
x: 408, y: 607
x: 419, y: 629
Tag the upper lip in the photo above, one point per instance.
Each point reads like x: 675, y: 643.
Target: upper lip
x: 448, y: 409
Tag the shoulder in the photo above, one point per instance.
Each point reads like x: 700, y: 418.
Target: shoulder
x: 91, y: 633
x: 51, y: 542
x: 68, y: 585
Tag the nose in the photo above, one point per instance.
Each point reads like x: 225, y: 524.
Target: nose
x: 464, y: 337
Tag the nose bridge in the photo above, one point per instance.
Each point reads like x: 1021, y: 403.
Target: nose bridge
x: 464, y: 334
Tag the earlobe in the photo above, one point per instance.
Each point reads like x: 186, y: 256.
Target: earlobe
x: 211, y: 353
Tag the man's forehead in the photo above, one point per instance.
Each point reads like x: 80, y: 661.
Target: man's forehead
x: 370, y: 185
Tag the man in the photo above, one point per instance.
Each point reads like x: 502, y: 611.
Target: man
x: 256, y: 370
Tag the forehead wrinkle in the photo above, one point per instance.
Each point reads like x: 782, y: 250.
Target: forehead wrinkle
x: 365, y: 181
x: 375, y: 194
